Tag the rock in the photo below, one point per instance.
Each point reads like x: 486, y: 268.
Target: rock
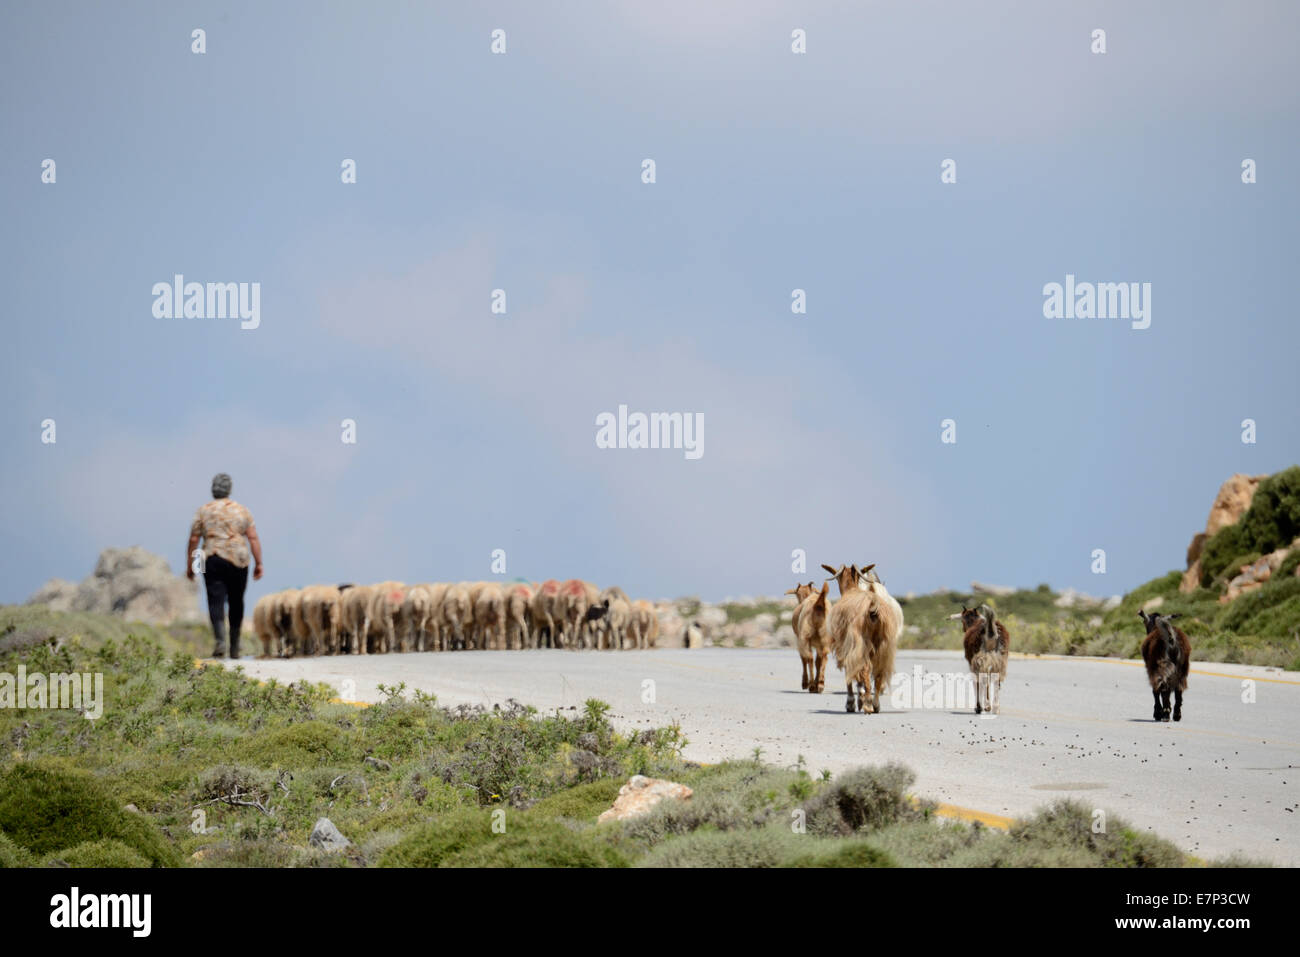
x: 130, y: 582
x: 1234, y: 498
x: 328, y: 837
x: 378, y: 764
x: 1153, y: 603
x: 1114, y: 601
x: 132, y: 808
x: 710, y: 617
x: 1252, y: 576
x: 1069, y: 598
x: 640, y: 794
x: 1195, y: 548
x: 1191, y: 578
x: 997, y: 591
x: 589, y: 741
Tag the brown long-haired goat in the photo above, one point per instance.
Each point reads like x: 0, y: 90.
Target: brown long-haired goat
x: 1168, y: 656
x: 987, y: 645
x: 864, y: 627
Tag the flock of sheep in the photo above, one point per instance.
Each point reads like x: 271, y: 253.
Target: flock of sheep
x: 394, y: 617
x: 862, y: 630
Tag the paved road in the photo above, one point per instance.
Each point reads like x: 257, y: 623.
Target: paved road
x: 1227, y: 778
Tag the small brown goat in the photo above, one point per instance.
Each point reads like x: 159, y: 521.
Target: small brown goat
x: 813, y: 638
x: 1168, y: 656
x: 987, y: 645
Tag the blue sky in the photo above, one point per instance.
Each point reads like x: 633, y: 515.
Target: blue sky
x: 775, y: 172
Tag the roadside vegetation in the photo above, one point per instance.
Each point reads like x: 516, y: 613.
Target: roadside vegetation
x: 203, y: 767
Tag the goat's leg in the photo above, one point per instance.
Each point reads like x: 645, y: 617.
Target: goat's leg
x: 805, y: 667
x: 1178, y: 705
x: 1164, y: 697
x: 1159, y: 712
x: 850, y: 705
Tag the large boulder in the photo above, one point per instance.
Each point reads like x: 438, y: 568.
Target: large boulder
x: 131, y: 582
x: 1232, y: 502
x: 640, y: 794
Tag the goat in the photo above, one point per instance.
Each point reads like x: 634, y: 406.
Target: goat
x: 1168, y: 655
x: 864, y: 628
x: 987, y: 645
x: 813, y: 638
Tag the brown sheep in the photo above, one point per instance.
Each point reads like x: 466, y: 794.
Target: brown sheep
x: 644, y: 627
x: 546, y: 614
x: 415, y: 624
x: 316, y: 619
x: 576, y: 597
x: 356, y: 617
x: 264, y: 627
x: 490, y: 616
x: 455, y: 611
x: 519, y: 601
x: 1168, y: 657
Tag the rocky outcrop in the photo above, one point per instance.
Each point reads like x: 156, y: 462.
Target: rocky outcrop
x: 1232, y: 502
x: 131, y: 582
x: 640, y: 794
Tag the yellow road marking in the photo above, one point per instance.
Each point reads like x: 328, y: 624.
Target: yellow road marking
x: 969, y: 814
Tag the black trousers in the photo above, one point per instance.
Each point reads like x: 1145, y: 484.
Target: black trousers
x: 225, y: 582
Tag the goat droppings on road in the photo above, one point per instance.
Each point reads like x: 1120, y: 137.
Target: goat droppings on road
x: 657, y: 430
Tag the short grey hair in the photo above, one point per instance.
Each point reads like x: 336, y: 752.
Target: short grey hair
x: 221, y: 485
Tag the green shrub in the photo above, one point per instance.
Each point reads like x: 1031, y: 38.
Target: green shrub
x: 1273, y: 518
x: 846, y: 852
x: 1267, y: 612
x: 45, y: 809
x: 538, y: 843
x: 1220, y: 552
x: 1067, y: 825
x: 585, y: 802
x: 757, y: 847
x: 105, y: 853
x: 304, y: 744
x: 430, y: 844
x: 862, y: 799
x: 11, y: 855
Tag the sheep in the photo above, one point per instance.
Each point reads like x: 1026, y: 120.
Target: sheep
x: 1168, y: 656
x: 282, y: 619
x: 316, y: 618
x: 812, y: 637
x: 644, y: 626
x: 490, y: 616
x: 576, y: 597
x: 595, y: 617
x: 415, y: 619
x: 263, y: 627
x: 385, y: 610
x: 356, y: 617
x: 519, y: 600
x: 864, y: 626
x: 546, y: 613
x: 987, y: 645
x: 455, y: 611
x: 616, y: 622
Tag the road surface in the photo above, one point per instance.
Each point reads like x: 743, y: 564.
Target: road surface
x: 1224, y: 779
